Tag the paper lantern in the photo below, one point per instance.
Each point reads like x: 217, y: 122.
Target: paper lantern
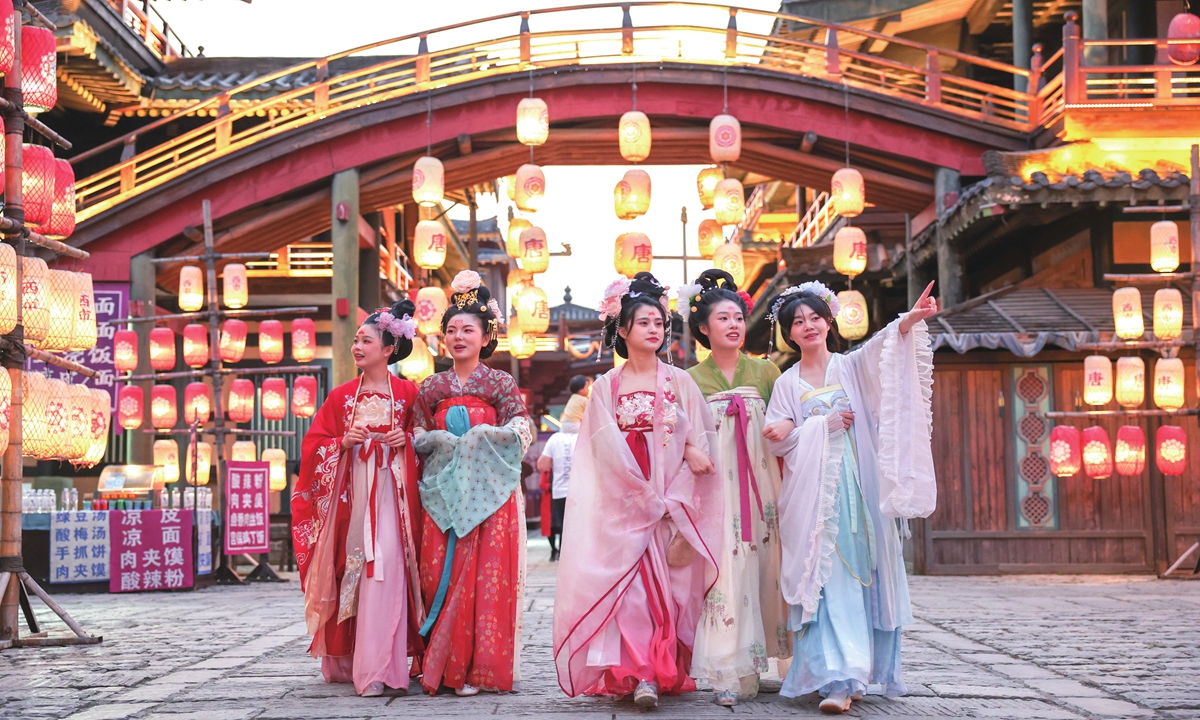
x: 1131, y: 381
x: 533, y: 121
x: 244, y: 451
x: 62, y: 207
x: 39, y: 74
x: 1127, y: 313
x: 274, y: 398
x: 633, y: 254
x: 79, y: 436
x: 535, y: 251
x: 429, y: 245
x: 304, y: 340
x: 517, y: 281
x: 270, y: 341
x: 633, y: 134
x: 709, y: 237
x: 197, y: 403
x: 1130, y: 453
x: 5, y: 407
x: 1184, y: 26
x: 130, y: 402
x: 1097, y: 453
x: 236, y: 290
x: 728, y: 257
x: 1168, y: 383
x: 58, y: 418
x: 1097, y: 380
x: 195, y: 345
x: 164, y: 406
x: 278, y: 461
x: 1065, y: 458
x: 85, y: 334
x: 33, y: 413
x: 706, y: 185
x: 850, y: 251
x: 520, y: 345
x: 162, y: 348
x: 431, y: 305
x: 166, y: 459
x: 62, y: 294
x: 725, y: 139
x: 631, y: 196
x: 847, y: 193
x: 533, y: 311
x: 35, y: 313
x: 101, y: 416
x: 1164, y: 246
x: 428, y: 181
x: 37, y: 183
x: 232, y: 345
x: 512, y: 238
x: 852, y: 321
x: 419, y: 363
x: 8, y: 31
x: 1170, y: 449
x: 191, y: 288
x: 531, y: 187
x: 510, y: 186
x: 1168, y: 314
x: 729, y: 202
x: 197, y: 463
x: 304, y: 396
x: 8, y: 285
x: 241, y: 400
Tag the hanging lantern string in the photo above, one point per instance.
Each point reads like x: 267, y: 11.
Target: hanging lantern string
x: 725, y: 89
x: 846, y: 103
x: 429, y: 126
x: 635, y: 87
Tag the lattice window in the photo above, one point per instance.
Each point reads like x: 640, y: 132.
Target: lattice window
x: 1034, y: 483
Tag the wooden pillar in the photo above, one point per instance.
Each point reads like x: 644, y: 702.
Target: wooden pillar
x: 1022, y: 37
x: 142, y: 287
x: 473, y: 232
x: 369, y: 294
x: 12, y: 472
x: 344, y: 236
x: 1095, y: 27
x: 946, y: 184
x: 916, y: 279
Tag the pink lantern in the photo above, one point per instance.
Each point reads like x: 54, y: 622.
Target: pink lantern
x: 304, y: 396
x: 1171, y: 449
x: 197, y: 403
x: 241, y: 400
x: 195, y: 345
x: 1184, y: 26
x: 1097, y: 453
x: 130, y: 404
x: 274, y: 398
x: 304, y: 340
x: 162, y: 348
x: 37, y: 183
x: 270, y: 341
x: 125, y: 350
x: 232, y: 345
x: 62, y: 210
x: 164, y: 406
x: 1131, y: 450
x: 8, y: 46
x: 1065, y: 458
x: 39, y: 73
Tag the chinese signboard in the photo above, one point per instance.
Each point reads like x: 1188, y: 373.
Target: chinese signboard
x: 79, y: 546
x: 204, y: 541
x: 247, y: 508
x: 151, y: 550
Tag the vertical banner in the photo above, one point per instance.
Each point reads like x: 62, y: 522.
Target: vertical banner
x: 79, y: 546
x: 204, y: 541
x: 247, y: 507
x: 151, y: 550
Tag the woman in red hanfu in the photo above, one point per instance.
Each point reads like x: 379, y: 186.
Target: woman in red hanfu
x: 473, y: 428
x: 357, y: 517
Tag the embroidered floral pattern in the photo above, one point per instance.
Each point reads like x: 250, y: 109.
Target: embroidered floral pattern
x: 716, y: 611
x: 373, y: 411
x: 758, y: 654
x: 635, y: 411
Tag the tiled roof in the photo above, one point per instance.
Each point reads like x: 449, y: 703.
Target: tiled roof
x: 215, y: 74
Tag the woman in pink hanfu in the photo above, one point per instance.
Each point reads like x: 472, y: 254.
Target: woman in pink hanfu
x: 643, y: 520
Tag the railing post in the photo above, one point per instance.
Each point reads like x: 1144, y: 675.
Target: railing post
x: 321, y: 91
x: 833, y: 55
x: 1073, y: 89
x: 1035, y: 87
x: 626, y: 31
x: 526, y: 52
x: 129, y: 148
x: 224, y: 124
x: 422, y: 63
x: 933, y: 78
x: 1162, y: 73
x: 731, y: 35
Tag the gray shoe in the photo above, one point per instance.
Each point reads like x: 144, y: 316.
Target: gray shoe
x: 646, y: 695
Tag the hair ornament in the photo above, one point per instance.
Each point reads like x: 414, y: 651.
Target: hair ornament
x: 745, y: 296
x: 687, y: 295
x: 495, y: 308
x: 397, y: 326
x: 466, y: 281
x: 610, y: 306
x: 812, y: 287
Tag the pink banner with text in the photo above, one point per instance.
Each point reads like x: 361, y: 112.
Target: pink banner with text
x: 247, y: 508
x: 150, y: 550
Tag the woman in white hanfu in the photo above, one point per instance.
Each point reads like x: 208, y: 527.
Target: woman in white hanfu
x: 854, y: 432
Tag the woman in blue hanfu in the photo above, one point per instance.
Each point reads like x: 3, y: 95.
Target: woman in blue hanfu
x: 854, y: 432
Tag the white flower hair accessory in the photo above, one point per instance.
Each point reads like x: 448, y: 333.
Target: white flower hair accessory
x: 398, y: 327
x: 495, y: 308
x: 466, y: 281
x: 812, y: 287
x: 686, y: 294
x: 610, y: 306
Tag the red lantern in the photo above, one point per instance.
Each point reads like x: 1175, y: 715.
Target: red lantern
x: 197, y: 403
x: 129, y: 407
x: 195, y: 345
x: 304, y: 396
x: 164, y: 406
x: 1170, y: 449
x: 125, y: 350
x: 162, y: 348
x: 232, y: 346
x: 304, y: 340
x: 1097, y: 453
x: 1184, y: 26
x: 39, y: 74
x: 37, y: 183
x: 1131, y: 450
x: 8, y: 47
x: 1064, y: 451
x: 270, y: 341
x: 62, y: 210
x: 241, y: 400
x: 274, y: 398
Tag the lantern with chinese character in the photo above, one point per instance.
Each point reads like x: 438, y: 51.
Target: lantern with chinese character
x: 1130, y: 452
x: 304, y: 396
x: 431, y: 305
x: 852, y: 319
x: 166, y: 458
x: 709, y: 237
x: 1164, y: 246
x: 429, y: 244
x: 1097, y: 380
x: 633, y: 254
x: 62, y: 294
x: 58, y: 418
x: 728, y: 257
x: 162, y: 348
x: 101, y: 415
x: 846, y: 192
x: 5, y: 407
x: 81, y: 422
x: 1127, y: 313
x: 164, y: 406
x: 237, y: 291
x: 125, y: 351
x: 274, y: 399
x: 531, y: 187
x: 533, y: 311
x: 729, y: 201
x: 191, y: 288
x: 706, y: 185
x: 725, y: 139
x: 33, y: 413
x: 85, y: 335
x: 8, y: 287
x: 278, y: 461
x: 241, y: 400
x: 518, y: 280
x: 633, y: 135
x: 304, y: 340
x: 195, y: 345
x: 232, y: 345
x: 39, y: 75
x: 1184, y: 26
x: 130, y: 402
x: 1131, y: 381
x: 428, y: 181
x: 270, y: 341
x: 1168, y: 314
x: 197, y: 403
x: 512, y: 238
x: 1064, y: 451
x: 535, y: 251
x: 35, y: 312
x: 631, y: 196
x: 37, y: 183
x: 520, y: 345
x: 1170, y: 449
x: 1097, y: 453
x: 197, y: 462
x: 850, y: 251
x: 62, y: 209
x: 533, y: 121
x: 419, y: 363
x: 244, y: 451
x: 1168, y: 383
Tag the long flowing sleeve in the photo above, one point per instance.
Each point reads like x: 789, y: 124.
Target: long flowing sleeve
x: 321, y: 451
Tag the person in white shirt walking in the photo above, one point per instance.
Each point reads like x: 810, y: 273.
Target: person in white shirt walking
x: 557, y: 454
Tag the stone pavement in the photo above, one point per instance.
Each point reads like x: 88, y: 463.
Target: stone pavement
x: 1012, y: 647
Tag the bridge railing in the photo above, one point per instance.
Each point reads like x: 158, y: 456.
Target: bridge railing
x: 816, y: 222
x: 157, y: 35
x: 241, y: 116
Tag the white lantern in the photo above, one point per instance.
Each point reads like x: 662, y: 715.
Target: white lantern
x: 847, y: 193
x: 429, y: 245
x: 85, y: 335
x: 431, y: 304
x: 1097, y: 380
x: 1164, y: 246
x: 428, y: 181
x: 852, y: 320
x: 533, y: 121
x: 531, y: 187
x: 244, y: 451
x: 850, y: 251
x: 1168, y: 314
x: 278, y: 461
x: 61, y: 298
x: 8, y: 289
x: 166, y: 458
x: 191, y: 288
x: 35, y: 313
x: 1168, y: 383
x: 631, y: 196
x: 1131, y: 381
x: 201, y: 461
x: 533, y: 311
x: 520, y: 345
x: 725, y: 139
x: 101, y: 421
x: 729, y: 201
x: 633, y: 133
x: 5, y: 406
x: 535, y: 252
x: 709, y: 237
x: 1127, y: 313
x: 512, y: 238
x: 517, y: 281
x: 419, y: 363
x: 728, y: 257
x: 237, y: 292
x: 706, y: 185
x: 633, y: 254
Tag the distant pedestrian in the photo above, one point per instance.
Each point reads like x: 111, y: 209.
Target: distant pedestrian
x: 556, y: 457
